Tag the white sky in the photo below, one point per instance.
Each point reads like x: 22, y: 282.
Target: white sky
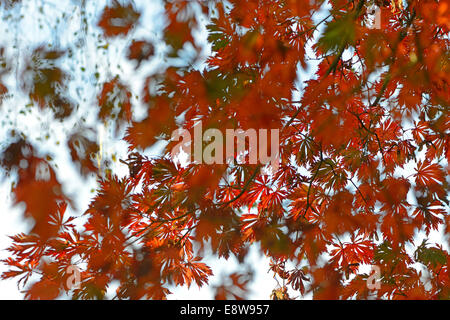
x: 27, y: 35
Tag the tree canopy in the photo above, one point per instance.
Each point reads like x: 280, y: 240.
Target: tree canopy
x: 357, y: 93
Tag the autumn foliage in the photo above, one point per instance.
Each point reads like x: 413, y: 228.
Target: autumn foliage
x: 364, y: 153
